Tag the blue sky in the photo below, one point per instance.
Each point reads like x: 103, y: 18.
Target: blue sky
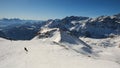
x: 51, y: 9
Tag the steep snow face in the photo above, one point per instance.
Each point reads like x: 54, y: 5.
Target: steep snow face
x: 57, y: 34
x: 64, y: 39
x: 49, y: 34
x: 43, y: 54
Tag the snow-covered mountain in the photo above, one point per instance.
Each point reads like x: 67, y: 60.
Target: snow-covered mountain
x: 64, y: 39
x: 43, y: 53
x: 103, y: 26
x: 100, y: 27
x: 71, y: 42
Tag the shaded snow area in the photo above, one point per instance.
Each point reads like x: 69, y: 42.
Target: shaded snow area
x: 42, y: 54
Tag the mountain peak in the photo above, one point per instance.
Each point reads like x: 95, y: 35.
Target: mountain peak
x: 76, y: 18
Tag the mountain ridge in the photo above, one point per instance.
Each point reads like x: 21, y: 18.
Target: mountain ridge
x: 79, y: 26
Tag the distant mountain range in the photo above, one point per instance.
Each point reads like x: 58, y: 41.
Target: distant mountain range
x: 17, y: 29
x: 78, y: 26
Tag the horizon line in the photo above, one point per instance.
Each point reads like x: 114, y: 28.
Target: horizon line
x: 52, y: 18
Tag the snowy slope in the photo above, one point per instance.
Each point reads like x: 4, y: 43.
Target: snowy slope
x: 106, y: 49
x: 45, y: 55
x: 64, y: 39
x: 73, y: 42
x: 85, y: 46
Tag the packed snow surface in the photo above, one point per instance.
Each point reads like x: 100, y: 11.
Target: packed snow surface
x: 45, y: 54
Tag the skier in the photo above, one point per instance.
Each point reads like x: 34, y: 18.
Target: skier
x: 25, y: 49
